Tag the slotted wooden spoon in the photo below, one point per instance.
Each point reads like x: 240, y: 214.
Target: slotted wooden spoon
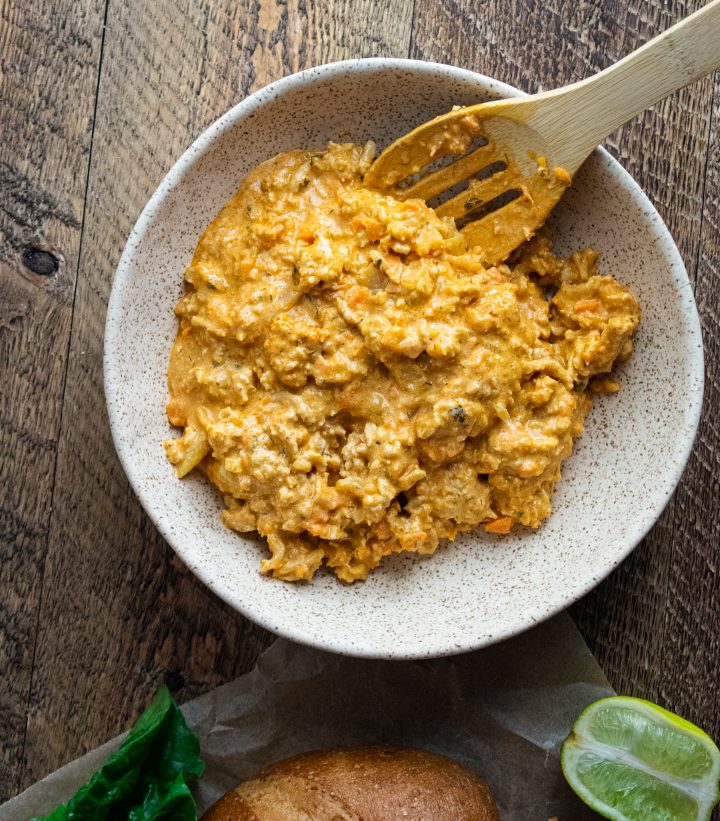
x: 515, y: 158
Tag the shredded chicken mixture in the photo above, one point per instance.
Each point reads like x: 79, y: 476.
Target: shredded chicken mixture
x: 357, y: 383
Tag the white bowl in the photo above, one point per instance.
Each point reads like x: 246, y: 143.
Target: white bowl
x: 479, y: 589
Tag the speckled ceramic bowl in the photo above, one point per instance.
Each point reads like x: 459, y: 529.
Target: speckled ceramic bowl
x: 479, y: 589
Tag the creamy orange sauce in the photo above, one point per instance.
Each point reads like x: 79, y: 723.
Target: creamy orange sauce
x: 356, y: 382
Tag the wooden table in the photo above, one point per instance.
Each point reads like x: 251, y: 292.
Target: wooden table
x: 99, y: 97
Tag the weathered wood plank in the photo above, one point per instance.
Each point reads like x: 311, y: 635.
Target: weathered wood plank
x: 690, y: 672
x: 119, y: 612
x: 537, y: 45
x: 48, y: 77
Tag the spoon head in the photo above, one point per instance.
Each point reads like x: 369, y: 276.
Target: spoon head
x: 485, y: 166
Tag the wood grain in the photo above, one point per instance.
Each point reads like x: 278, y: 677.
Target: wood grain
x: 624, y: 620
x: 119, y: 612
x: 48, y: 79
x: 690, y: 670
x: 94, y: 606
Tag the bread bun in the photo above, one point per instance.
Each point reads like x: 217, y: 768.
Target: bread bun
x: 360, y: 784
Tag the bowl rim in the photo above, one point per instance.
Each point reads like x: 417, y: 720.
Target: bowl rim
x: 290, y: 630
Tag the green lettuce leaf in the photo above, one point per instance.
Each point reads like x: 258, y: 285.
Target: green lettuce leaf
x: 146, y: 779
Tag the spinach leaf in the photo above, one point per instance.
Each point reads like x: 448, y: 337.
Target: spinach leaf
x: 146, y: 779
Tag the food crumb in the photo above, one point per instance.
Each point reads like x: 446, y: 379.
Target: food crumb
x: 542, y: 168
x: 604, y: 384
x: 561, y: 175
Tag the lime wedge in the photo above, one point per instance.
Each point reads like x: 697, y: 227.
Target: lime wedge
x: 630, y: 760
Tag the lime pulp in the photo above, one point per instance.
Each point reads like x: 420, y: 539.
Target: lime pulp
x: 631, y: 760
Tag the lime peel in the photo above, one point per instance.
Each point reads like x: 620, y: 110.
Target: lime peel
x: 588, y: 762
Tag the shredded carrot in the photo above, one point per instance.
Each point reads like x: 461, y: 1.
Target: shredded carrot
x: 502, y: 525
x: 586, y: 305
x: 357, y: 297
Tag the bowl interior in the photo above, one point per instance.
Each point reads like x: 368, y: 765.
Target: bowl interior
x: 479, y: 589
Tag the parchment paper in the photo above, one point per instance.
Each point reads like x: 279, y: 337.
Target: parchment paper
x: 502, y: 712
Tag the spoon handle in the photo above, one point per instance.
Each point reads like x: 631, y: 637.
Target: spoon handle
x: 581, y: 115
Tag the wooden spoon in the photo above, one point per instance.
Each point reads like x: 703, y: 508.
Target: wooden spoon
x: 515, y: 158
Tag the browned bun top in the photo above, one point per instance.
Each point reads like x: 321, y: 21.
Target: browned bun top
x: 360, y: 784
